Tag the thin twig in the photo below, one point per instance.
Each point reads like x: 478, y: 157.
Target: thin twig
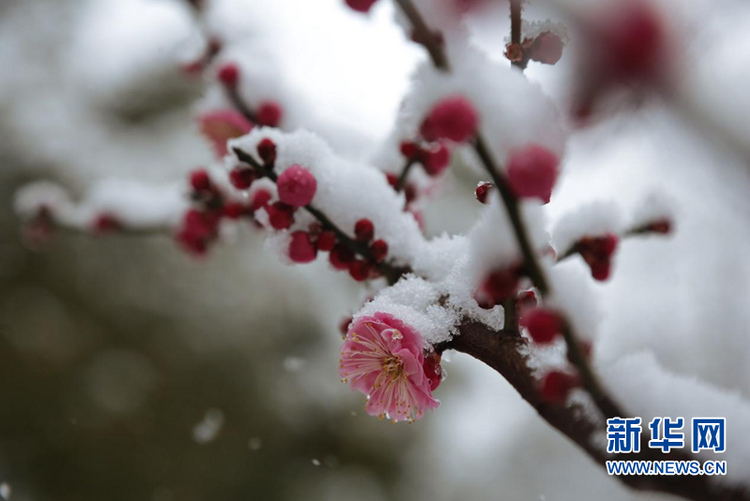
x: 391, y: 273
x: 425, y: 36
x: 401, y: 182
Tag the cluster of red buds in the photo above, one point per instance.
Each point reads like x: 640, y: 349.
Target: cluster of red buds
x: 200, y: 225
x: 296, y: 187
x: 547, y: 48
x: 342, y: 257
x: 453, y: 120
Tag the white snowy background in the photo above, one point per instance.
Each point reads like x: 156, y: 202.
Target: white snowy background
x: 91, y: 89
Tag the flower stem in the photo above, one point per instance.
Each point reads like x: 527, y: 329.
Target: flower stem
x: 401, y: 183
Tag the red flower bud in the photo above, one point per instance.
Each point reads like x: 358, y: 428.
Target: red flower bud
x: 454, y: 118
x: 483, y: 191
x: 301, y: 248
x: 364, y: 230
x: 379, y: 249
x: 542, y: 324
x: 556, y: 386
x: 229, y: 75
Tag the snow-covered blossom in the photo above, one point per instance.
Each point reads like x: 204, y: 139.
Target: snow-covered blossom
x: 383, y: 358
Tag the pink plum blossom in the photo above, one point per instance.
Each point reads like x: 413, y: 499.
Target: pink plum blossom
x: 383, y: 358
x: 222, y: 125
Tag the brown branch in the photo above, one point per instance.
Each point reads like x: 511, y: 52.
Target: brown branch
x: 506, y: 353
x: 425, y: 36
x: 392, y: 273
x: 515, y: 30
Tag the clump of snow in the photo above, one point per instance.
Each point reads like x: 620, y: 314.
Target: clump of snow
x: 416, y: 302
x: 493, y: 242
x: 595, y: 219
x: 134, y: 204
x: 5, y: 491
x: 655, y: 207
x: 514, y: 112
x: 572, y: 294
x: 209, y: 427
x: 347, y: 191
x: 439, y: 256
x: 32, y: 197
x: 456, y: 265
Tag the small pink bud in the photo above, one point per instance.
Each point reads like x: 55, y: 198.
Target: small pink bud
x: 532, y: 172
x: 359, y: 270
x: 500, y: 285
x: 432, y: 370
x: 556, y: 386
x: 392, y: 179
x: 267, y: 152
x: 280, y: 215
x: 326, y: 241
x: 229, y: 75
x: 542, y: 324
x: 436, y: 160
x: 297, y: 186
x: 234, y: 210
x: 634, y: 40
x: 364, y: 230
x: 662, y: 226
x: 270, y: 114
x: 526, y: 301
x: 340, y: 257
x: 198, y: 229
x: 222, y: 125
x: 379, y: 249
x: 454, y: 118
x: 242, y: 178
x: 260, y: 199
x: 598, y: 252
x: 409, y: 149
x: 361, y: 5
x: 301, y: 248
x: 483, y: 191
x: 199, y: 180
x: 106, y: 223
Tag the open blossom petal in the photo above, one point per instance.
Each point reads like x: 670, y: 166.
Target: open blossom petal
x: 383, y: 358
